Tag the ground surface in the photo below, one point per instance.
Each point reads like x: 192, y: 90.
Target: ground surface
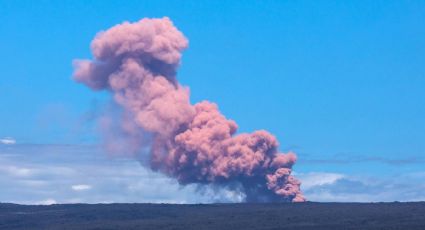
x: 217, y: 216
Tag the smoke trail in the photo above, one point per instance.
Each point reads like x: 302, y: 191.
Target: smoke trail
x: 137, y: 63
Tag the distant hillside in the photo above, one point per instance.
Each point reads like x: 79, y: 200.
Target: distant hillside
x: 317, y: 216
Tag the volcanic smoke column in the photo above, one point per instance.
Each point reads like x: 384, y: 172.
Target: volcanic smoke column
x: 137, y: 63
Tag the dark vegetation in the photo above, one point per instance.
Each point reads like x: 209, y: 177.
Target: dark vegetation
x: 216, y: 216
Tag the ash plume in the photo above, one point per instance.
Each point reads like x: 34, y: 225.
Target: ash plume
x: 137, y: 63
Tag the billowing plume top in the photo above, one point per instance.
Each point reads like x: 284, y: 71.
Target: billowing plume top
x: 155, y: 43
x: 137, y: 63
x: 149, y: 38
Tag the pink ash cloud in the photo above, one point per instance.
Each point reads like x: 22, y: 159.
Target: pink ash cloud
x: 137, y: 63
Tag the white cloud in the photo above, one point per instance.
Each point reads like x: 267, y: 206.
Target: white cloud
x: 82, y: 174
x: 331, y: 187
x: 47, y: 202
x: 8, y: 141
x: 81, y: 187
x: 326, y: 196
x: 313, y: 179
x: 16, y: 171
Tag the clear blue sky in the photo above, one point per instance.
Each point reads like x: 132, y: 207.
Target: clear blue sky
x: 341, y: 83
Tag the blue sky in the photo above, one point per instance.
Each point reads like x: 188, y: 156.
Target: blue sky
x: 341, y: 83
